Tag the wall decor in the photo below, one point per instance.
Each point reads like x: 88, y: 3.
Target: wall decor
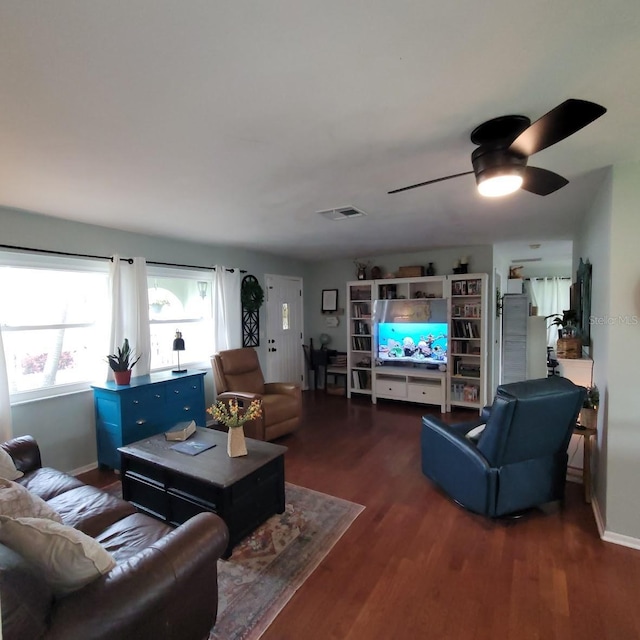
x: 251, y: 297
x: 329, y: 300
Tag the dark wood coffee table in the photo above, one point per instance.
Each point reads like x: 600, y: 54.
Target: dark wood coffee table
x: 174, y: 486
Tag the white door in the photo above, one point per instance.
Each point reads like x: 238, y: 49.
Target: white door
x: 285, y: 357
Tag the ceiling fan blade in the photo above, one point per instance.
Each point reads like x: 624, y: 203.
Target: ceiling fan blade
x: 422, y: 184
x: 561, y: 122
x: 541, y: 181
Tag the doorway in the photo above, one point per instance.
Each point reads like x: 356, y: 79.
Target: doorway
x: 285, y: 328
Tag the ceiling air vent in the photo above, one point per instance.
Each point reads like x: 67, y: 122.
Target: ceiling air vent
x: 342, y: 213
x: 528, y: 260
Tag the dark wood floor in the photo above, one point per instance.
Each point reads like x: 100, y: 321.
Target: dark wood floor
x: 414, y: 565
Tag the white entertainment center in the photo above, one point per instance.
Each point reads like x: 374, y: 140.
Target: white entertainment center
x: 458, y: 302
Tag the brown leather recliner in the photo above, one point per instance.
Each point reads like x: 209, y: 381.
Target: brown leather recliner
x: 238, y: 375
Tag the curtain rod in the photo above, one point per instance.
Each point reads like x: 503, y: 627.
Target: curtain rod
x: 110, y: 258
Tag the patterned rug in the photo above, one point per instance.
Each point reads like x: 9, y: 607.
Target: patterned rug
x: 270, y: 565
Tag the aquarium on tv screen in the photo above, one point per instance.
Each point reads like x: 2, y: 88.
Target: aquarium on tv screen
x: 415, y: 342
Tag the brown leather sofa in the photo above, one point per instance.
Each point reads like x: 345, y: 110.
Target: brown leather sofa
x: 238, y: 375
x: 164, y: 584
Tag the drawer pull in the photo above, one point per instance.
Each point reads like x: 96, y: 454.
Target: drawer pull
x: 187, y: 408
x: 136, y: 402
x: 140, y: 422
x: 158, y: 395
x: 176, y: 391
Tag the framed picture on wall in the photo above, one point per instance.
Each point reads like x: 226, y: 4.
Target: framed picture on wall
x: 329, y: 300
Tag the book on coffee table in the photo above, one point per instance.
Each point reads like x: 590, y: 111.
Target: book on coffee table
x: 192, y: 447
x: 181, y: 431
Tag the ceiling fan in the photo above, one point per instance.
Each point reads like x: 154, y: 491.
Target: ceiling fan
x: 505, y: 144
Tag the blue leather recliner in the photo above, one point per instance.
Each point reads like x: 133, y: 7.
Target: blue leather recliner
x: 520, y: 458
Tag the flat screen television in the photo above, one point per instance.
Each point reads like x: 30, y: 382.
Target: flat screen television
x: 412, y: 342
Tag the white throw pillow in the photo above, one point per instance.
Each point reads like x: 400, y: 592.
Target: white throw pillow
x: 7, y: 467
x: 68, y: 558
x: 18, y: 502
x: 475, y: 433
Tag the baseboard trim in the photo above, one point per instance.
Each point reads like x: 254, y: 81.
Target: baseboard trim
x: 87, y: 467
x: 619, y: 538
x: 611, y: 536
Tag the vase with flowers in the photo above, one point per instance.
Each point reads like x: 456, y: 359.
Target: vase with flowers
x: 233, y: 416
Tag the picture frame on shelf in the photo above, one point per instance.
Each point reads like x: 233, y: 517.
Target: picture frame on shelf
x: 473, y: 287
x: 459, y: 287
x: 329, y: 300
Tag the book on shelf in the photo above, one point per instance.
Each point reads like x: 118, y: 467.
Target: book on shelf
x: 360, y: 380
x: 181, y: 431
x: 465, y: 329
x: 361, y: 310
x: 361, y: 328
x: 361, y: 344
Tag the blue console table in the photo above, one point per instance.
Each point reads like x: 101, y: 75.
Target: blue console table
x: 151, y: 404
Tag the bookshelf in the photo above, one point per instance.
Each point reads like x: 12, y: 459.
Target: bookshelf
x: 468, y: 340
x: 360, y: 342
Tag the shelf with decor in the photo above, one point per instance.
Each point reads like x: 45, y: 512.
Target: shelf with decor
x: 360, y: 336
x: 468, y: 346
x: 410, y: 288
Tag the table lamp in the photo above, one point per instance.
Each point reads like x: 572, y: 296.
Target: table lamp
x: 178, y: 345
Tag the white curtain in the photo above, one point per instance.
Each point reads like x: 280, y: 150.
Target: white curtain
x: 227, y: 310
x: 551, y: 296
x: 6, y: 430
x: 130, y: 310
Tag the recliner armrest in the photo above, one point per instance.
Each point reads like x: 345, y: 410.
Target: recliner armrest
x: 25, y: 453
x: 164, y: 591
x: 454, y: 462
x: 239, y: 395
x: 283, y: 388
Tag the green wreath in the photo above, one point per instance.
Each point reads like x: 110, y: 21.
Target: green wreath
x: 251, y: 295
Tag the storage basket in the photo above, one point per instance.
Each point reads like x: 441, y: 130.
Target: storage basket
x: 570, y: 348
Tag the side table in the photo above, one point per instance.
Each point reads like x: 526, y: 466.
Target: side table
x: 588, y: 433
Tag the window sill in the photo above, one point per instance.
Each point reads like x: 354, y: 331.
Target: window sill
x: 51, y: 396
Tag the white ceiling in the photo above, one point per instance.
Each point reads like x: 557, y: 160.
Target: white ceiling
x: 234, y: 122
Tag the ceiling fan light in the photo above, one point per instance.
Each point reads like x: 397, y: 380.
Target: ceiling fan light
x: 499, y: 185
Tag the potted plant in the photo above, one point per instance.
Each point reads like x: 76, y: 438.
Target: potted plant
x: 589, y: 411
x: 231, y: 415
x: 122, y: 362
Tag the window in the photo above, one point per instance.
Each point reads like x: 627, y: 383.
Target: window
x: 180, y: 300
x: 54, y: 319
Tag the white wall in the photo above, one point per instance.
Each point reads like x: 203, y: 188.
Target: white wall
x: 623, y: 414
x: 609, y: 241
x: 594, y: 244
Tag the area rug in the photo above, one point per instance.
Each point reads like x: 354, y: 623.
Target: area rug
x: 270, y: 565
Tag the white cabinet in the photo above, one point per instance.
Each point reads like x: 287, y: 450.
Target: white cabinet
x: 578, y: 370
x: 536, y: 347
x: 524, y: 341
x: 414, y: 385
